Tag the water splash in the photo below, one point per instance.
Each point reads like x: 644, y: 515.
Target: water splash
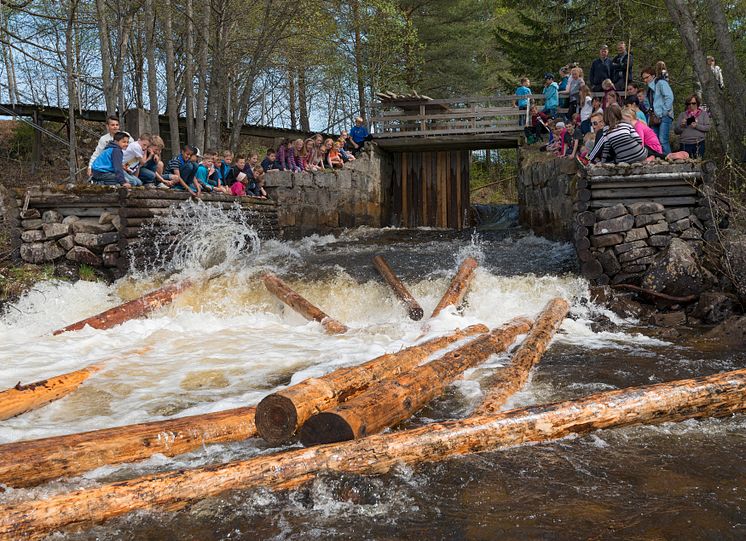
x: 195, y: 237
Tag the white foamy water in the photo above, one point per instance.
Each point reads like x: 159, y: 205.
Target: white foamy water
x: 227, y: 342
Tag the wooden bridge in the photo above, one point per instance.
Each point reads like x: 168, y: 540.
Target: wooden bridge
x: 431, y: 142
x: 408, y: 123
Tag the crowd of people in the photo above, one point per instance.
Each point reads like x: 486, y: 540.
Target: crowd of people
x: 611, y: 117
x: 122, y: 160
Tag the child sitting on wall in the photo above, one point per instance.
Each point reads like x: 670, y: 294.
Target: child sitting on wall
x: 269, y: 163
x: 333, y: 159
x: 238, y: 188
x: 107, y: 168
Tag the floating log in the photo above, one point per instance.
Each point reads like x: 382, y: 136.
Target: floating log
x: 395, y: 400
x: 283, y: 292
x: 279, y: 415
x: 23, y: 398
x: 719, y: 395
x: 458, y: 286
x: 29, y: 463
x: 400, y: 290
x: 130, y: 310
x: 514, y: 376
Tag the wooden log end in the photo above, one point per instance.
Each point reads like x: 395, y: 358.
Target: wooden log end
x: 415, y: 313
x: 332, y: 326
x: 276, y: 419
x: 325, y: 427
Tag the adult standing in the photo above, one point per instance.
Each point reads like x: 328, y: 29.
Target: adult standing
x: 551, y: 95
x: 601, y: 69
x: 692, y: 127
x: 621, y: 66
x: 660, y: 97
x: 716, y: 71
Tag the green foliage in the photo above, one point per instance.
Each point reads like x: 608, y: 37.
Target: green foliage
x: 494, y: 182
x: 21, y: 141
x: 87, y: 273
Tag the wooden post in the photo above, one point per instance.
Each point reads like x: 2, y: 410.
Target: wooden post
x: 395, y: 400
x: 130, y: 310
x: 28, y: 463
x: 400, y: 290
x: 458, y: 286
x: 719, y: 395
x: 280, y: 414
x: 36, y: 145
x: 283, y: 292
x: 23, y: 398
x: 514, y: 376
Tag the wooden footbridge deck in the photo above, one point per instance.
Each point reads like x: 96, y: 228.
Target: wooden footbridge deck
x: 411, y: 123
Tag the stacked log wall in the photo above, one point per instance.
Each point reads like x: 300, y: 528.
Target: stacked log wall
x: 625, y: 215
x: 103, y: 228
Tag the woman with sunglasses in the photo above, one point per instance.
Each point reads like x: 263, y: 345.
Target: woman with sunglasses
x: 661, y: 100
x: 692, y: 127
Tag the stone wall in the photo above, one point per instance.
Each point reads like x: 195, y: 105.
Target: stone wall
x: 356, y: 195
x: 546, y: 192
x: 102, y: 227
x: 626, y: 216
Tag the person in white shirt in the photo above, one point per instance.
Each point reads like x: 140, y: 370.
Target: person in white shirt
x: 134, y: 156
x: 112, y: 126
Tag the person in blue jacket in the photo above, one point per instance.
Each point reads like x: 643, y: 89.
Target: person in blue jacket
x: 661, y: 98
x: 358, y: 134
x: 107, y: 169
x: 551, y: 95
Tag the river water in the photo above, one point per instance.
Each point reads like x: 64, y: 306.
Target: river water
x: 227, y: 343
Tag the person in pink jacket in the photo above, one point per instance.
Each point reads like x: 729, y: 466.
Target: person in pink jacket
x: 649, y: 139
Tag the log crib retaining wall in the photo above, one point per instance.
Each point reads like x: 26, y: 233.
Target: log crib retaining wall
x: 618, y: 216
x: 101, y: 226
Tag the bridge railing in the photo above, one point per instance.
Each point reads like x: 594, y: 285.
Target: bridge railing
x: 459, y: 116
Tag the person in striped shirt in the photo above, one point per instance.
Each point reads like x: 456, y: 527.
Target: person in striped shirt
x: 621, y: 142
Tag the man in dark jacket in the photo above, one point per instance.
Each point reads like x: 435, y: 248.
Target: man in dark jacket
x: 621, y: 66
x: 601, y: 69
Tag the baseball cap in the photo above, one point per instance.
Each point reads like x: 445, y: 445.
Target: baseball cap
x: 548, y: 76
x: 559, y: 125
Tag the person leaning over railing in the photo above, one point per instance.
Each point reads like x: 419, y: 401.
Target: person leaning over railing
x: 522, y: 103
x: 551, y: 95
x: 692, y: 127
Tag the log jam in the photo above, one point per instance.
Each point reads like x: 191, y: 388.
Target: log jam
x: 285, y: 293
x: 395, y: 400
x: 514, y: 376
x: 29, y: 463
x: 130, y: 310
x: 719, y: 395
x: 400, y: 290
x: 459, y: 285
x: 23, y: 398
x: 279, y: 415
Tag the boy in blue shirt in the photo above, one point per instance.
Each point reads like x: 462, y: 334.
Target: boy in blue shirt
x: 107, y: 168
x: 358, y: 135
x: 522, y: 104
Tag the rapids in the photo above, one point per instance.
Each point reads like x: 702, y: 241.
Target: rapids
x: 228, y: 342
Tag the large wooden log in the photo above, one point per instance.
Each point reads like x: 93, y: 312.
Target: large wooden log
x: 458, y: 287
x: 279, y: 415
x: 514, y: 376
x: 719, y: 395
x: 28, y: 463
x: 23, y: 398
x: 130, y: 310
x: 284, y: 292
x: 395, y: 400
x: 400, y: 290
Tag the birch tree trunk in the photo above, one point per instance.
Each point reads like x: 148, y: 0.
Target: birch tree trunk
x: 150, y: 20
x: 305, y: 123
x: 735, y: 83
x: 291, y: 99
x: 71, y: 87
x: 173, y: 110
x: 189, y: 72
x: 726, y: 125
x: 359, y: 64
x: 202, y: 74
x: 217, y: 89
x: 103, y: 35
